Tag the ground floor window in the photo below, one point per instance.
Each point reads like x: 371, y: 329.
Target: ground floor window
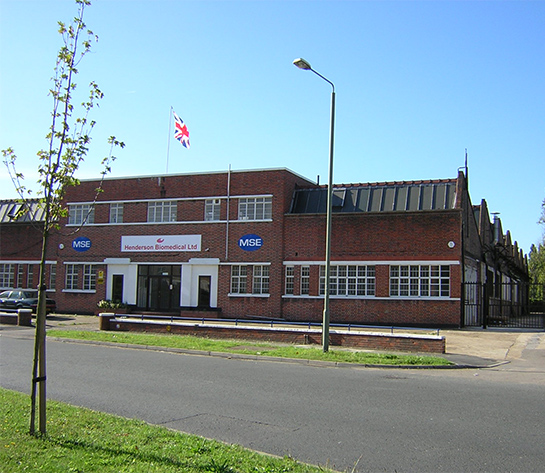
x: 260, y: 282
x: 30, y: 276
x: 52, y: 276
x: 89, y: 277
x: 305, y: 280
x: 420, y: 281
x: 71, y: 277
x: 7, y: 275
x: 290, y: 279
x: 349, y: 280
x: 238, y: 279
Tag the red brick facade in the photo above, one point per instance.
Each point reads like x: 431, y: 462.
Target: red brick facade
x: 373, y: 249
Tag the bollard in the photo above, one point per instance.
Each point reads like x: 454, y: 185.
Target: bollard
x: 104, y: 320
x: 24, y: 317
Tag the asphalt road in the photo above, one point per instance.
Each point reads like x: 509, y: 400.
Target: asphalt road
x: 378, y: 420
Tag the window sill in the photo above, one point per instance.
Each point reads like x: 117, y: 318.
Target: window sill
x: 80, y: 291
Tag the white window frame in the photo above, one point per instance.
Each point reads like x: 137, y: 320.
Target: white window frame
x: 162, y: 211
x: 81, y: 214
x: 239, y: 279
x: 420, y: 281
x: 71, y: 277
x: 305, y: 280
x: 116, y: 212
x: 30, y: 276
x: 20, y: 275
x: 255, y: 208
x: 89, y: 277
x: 260, y: 279
x: 212, y: 208
x: 290, y: 279
x: 349, y: 280
x: 52, y: 276
x: 7, y: 275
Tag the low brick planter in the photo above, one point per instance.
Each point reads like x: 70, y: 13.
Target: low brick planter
x: 350, y: 339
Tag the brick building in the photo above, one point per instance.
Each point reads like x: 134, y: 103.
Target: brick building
x: 252, y: 244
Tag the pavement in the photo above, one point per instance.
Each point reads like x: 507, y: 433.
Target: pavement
x: 467, y: 348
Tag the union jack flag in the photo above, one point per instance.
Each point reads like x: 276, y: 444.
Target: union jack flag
x: 181, y: 133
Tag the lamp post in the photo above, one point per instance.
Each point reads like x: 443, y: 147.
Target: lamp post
x: 302, y: 64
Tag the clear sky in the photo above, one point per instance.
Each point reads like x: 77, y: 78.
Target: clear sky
x: 417, y: 83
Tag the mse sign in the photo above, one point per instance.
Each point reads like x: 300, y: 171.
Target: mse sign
x: 250, y: 242
x: 81, y: 244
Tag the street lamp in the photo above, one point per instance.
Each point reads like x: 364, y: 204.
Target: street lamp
x: 302, y: 64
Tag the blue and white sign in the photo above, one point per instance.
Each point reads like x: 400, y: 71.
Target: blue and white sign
x: 250, y: 242
x: 81, y: 244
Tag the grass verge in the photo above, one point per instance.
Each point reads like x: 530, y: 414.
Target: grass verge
x: 235, y: 346
x: 82, y: 440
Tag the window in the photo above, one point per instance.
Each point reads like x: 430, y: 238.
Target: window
x: 238, y: 279
x: 7, y: 275
x: 212, y: 210
x: 116, y: 213
x: 52, y: 276
x: 349, y: 280
x: 290, y: 279
x: 30, y: 276
x: 260, y: 284
x: 71, y: 276
x: 305, y: 280
x: 79, y: 214
x: 89, y: 277
x: 20, y: 275
x: 162, y: 211
x: 255, y: 208
x: 420, y: 281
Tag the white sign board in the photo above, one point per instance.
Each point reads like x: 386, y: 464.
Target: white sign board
x: 159, y: 243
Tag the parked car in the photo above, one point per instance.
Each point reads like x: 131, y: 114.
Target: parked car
x: 20, y: 299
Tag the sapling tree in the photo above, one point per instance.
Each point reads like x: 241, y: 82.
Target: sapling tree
x: 68, y: 142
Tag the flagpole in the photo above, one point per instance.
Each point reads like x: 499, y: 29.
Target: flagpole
x: 169, y: 130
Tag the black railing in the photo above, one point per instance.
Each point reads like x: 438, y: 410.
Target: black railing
x: 513, y: 305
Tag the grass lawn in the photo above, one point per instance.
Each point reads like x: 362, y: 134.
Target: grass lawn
x: 85, y: 441
x: 245, y: 347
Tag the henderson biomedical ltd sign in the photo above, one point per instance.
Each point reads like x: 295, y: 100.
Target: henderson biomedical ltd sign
x: 156, y: 243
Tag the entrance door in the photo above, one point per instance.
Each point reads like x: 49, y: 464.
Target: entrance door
x: 204, y: 291
x: 159, y: 287
x: 117, y: 288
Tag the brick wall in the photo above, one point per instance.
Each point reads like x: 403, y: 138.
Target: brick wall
x: 387, y: 342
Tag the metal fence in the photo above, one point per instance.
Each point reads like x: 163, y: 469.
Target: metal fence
x: 513, y: 305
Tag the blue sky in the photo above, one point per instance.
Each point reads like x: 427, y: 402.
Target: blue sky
x: 417, y: 83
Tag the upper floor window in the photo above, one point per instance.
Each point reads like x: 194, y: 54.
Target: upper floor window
x: 255, y: 208
x: 163, y: 211
x: 79, y: 214
x: 212, y: 210
x: 116, y: 213
x: 349, y: 280
x: 420, y: 281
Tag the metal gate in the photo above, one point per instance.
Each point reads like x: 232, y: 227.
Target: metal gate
x: 513, y: 305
